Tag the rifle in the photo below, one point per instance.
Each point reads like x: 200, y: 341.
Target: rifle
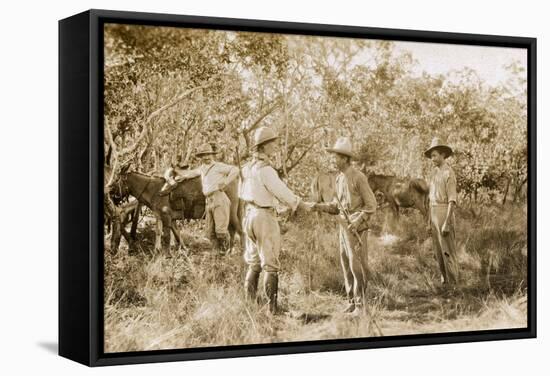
x: 239, y: 162
x: 366, y: 309
x: 348, y: 219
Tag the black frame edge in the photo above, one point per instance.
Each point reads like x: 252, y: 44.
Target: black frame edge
x: 349, y: 31
x: 74, y: 273
x: 532, y: 183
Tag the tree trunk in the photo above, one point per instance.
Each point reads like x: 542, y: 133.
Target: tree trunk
x: 518, y: 188
x: 135, y: 220
x: 506, y: 191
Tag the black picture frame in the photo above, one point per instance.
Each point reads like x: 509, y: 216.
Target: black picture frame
x: 81, y: 187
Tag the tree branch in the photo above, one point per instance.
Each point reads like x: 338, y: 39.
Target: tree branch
x: 154, y: 114
x: 299, y: 159
x: 257, y: 122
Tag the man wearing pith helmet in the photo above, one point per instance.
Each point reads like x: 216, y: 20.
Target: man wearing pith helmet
x: 354, y: 203
x: 261, y: 190
x: 442, y: 199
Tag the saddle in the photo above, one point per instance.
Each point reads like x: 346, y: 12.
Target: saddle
x: 177, y: 197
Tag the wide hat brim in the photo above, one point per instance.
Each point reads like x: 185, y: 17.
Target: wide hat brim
x: 448, y: 151
x: 265, y: 141
x: 341, y: 151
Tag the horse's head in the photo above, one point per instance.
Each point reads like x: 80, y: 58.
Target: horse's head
x: 119, y: 190
x: 379, y: 182
x: 123, y: 176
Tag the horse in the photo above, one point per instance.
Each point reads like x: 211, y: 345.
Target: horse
x: 186, y: 201
x: 401, y: 192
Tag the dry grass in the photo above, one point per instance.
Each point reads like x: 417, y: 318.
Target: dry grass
x: 176, y: 301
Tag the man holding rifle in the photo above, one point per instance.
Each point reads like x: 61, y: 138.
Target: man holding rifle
x: 354, y: 203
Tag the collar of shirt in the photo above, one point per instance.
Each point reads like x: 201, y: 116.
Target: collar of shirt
x: 444, y: 166
x: 262, y: 157
x: 205, y: 168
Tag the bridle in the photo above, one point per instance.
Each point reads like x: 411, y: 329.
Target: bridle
x: 138, y: 197
x: 119, y: 186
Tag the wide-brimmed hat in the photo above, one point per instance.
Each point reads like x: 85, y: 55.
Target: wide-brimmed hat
x: 205, y: 149
x: 342, y: 146
x: 437, y: 144
x: 263, y: 135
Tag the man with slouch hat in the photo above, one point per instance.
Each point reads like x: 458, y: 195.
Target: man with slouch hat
x: 442, y: 200
x: 354, y: 203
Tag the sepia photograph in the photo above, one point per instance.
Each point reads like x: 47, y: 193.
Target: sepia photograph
x: 263, y: 188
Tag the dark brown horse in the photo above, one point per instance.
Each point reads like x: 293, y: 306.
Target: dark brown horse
x: 186, y: 201
x: 401, y: 192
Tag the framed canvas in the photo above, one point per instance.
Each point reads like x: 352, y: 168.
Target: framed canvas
x: 234, y: 187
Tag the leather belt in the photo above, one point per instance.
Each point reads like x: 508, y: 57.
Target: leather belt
x: 256, y: 206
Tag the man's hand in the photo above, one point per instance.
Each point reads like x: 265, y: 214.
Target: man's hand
x: 356, y: 220
x: 325, y: 208
x: 445, y: 229
x: 306, y: 206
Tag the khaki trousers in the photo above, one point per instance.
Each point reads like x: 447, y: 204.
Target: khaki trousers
x: 217, y: 214
x: 444, y: 246
x: 354, y: 260
x: 263, y: 238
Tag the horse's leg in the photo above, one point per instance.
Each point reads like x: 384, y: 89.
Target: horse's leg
x: 166, y: 217
x: 395, y: 215
x: 158, y: 233
x: 108, y: 222
x: 125, y: 233
x: 118, y: 221
x: 177, y: 236
x: 115, y: 235
x: 135, y: 219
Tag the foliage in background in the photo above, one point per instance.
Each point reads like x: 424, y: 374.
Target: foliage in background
x: 167, y: 90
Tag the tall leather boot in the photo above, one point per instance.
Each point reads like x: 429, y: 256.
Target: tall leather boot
x: 271, y: 286
x: 251, y: 282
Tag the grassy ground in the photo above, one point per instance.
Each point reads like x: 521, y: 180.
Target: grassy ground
x: 177, y: 301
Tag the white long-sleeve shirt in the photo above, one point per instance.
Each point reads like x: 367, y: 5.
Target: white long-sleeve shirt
x: 262, y: 186
x: 214, y: 176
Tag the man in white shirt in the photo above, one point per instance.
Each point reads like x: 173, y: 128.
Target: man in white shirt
x: 443, y: 198
x: 261, y: 190
x: 215, y: 176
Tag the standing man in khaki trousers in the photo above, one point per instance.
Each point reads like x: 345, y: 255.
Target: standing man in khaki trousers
x: 442, y: 198
x: 215, y: 177
x: 261, y: 189
x: 354, y: 203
